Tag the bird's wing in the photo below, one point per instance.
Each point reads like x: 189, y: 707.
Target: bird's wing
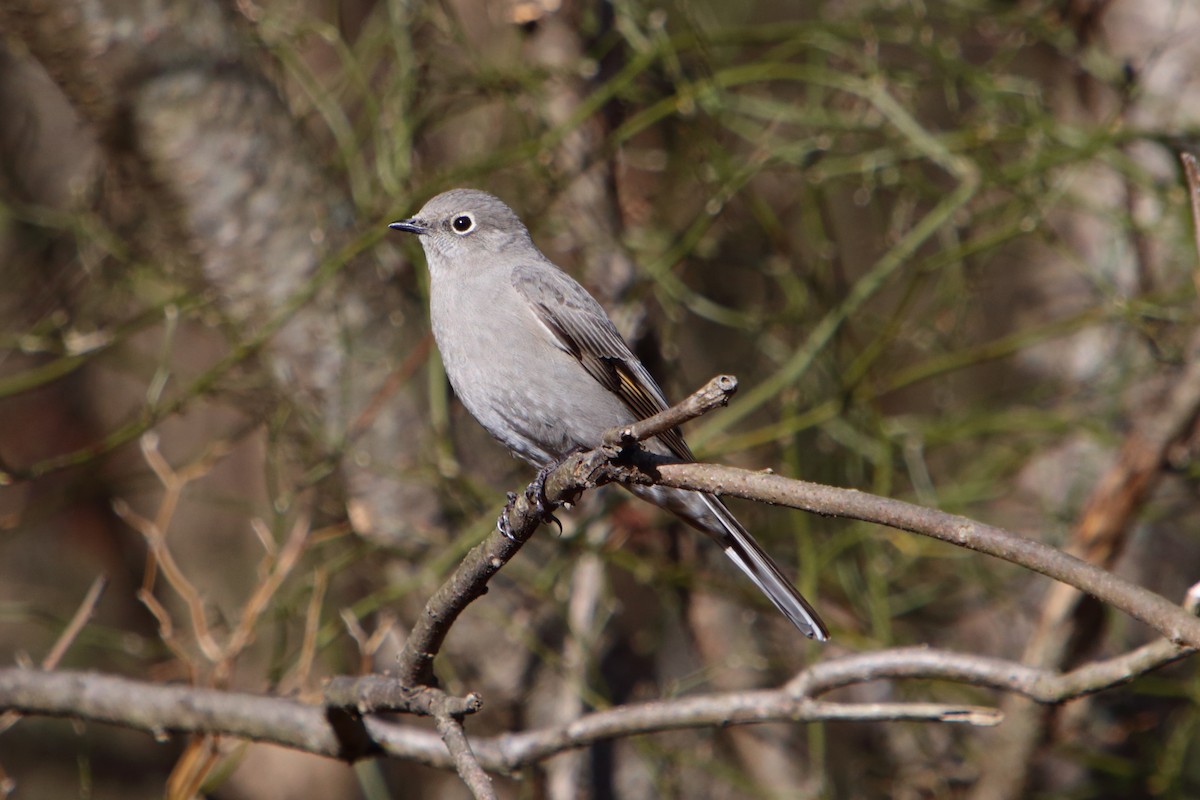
x: 581, y: 328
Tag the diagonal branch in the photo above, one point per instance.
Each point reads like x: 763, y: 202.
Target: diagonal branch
x: 714, y: 394
x: 1169, y: 619
x: 574, y: 475
x: 465, y: 762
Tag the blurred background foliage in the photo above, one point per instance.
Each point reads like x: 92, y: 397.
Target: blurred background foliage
x: 945, y: 247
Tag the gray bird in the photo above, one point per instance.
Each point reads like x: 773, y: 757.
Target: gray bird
x: 539, y: 364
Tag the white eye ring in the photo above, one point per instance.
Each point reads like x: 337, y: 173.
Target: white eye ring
x: 463, y: 223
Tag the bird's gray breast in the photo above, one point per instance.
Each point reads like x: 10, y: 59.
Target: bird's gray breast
x: 509, y: 371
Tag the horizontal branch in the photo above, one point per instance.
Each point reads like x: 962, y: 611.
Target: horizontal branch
x: 1041, y: 685
x: 159, y: 709
x: 512, y: 751
x: 369, y: 693
x: 1169, y: 619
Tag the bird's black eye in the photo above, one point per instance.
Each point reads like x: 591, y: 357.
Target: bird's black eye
x: 463, y: 224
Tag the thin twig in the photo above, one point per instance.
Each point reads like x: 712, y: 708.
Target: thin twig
x: 276, y: 568
x: 312, y: 625
x: 465, y: 763
x: 78, y: 620
x: 714, y: 394
x: 173, y: 481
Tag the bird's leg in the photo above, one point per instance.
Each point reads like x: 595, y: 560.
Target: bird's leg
x: 536, y: 494
x: 502, y: 523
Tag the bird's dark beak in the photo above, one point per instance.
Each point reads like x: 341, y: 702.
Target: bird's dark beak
x: 410, y: 226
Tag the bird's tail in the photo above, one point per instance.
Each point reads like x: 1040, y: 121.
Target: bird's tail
x: 709, y: 514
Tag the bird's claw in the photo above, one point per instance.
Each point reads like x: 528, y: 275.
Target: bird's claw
x: 502, y: 523
x: 536, y: 495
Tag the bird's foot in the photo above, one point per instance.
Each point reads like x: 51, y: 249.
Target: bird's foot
x: 502, y: 523
x: 536, y: 494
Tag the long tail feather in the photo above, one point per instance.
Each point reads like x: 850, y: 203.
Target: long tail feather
x: 753, y: 560
x: 708, y: 514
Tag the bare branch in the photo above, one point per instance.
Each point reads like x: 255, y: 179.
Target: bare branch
x: 468, y: 582
x: 344, y: 732
x: 706, y: 711
x: 78, y: 620
x: 1041, y: 685
x: 368, y: 694
x: 465, y: 763
x: 714, y: 394
x: 158, y: 709
x: 1156, y: 611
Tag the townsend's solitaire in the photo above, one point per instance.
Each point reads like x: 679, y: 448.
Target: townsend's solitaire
x: 536, y: 360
